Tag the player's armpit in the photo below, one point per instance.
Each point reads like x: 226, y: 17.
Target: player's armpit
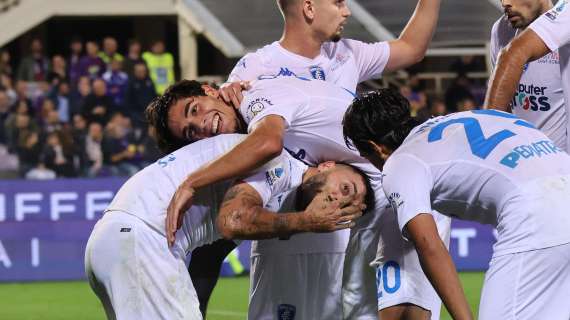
x: 437, y: 265
x: 528, y: 46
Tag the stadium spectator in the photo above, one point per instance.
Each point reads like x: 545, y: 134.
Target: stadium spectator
x: 79, y: 94
x: 118, y: 146
x: 41, y: 172
x: 91, y: 64
x: 4, y: 114
x: 93, y: 150
x: 76, y: 50
x: 6, y: 63
x: 22, y: 92
x: 466, y: 64
x: 58, y: 70
x: 466, y: 104
x: 7, y: 84
x: 459, y: 90
x: 35, y: 66
x: 59, y: 94
x: 28, y: 151
x: 140, y: 93
x: 18, y: 127
x: 98, y: 106
x: 109, y: 52
x: 160, y: 65
x: 57, y: 154
x: 133, y: 57
x: 117, y: 82
x: 438, y: 108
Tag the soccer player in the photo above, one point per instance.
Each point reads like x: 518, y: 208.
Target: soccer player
x: 487, y: 166
x: 137, y: 275
x: 549, y: 33
x: 312, y: 47
x: 539, y: 98
x: 304, y: 116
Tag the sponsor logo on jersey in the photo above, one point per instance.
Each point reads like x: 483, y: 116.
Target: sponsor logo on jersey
x: 273, y: 175
x: 395, y: 200
x: 286, y: 312
x: 553, y: 13
x: 241, y: 63
x: 318, y: 73
x: 164, y: 161
x: 255, y: 107
x: 551, y: 58
x: 531, y: 98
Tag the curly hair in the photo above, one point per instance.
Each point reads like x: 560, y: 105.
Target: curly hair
x: 382, y: 116
x: 157, y: 111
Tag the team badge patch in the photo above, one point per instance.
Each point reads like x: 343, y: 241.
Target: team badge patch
x: 318, y: 73
x: 255, y: 107
x: 286, y: 312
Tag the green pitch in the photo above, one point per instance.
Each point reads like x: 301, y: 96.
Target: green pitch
x: 74, y: 300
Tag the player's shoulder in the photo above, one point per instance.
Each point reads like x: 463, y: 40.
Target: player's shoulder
x: 262, y: 55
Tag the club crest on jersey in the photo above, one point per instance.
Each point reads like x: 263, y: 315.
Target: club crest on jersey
x: 273, y: 175
x: 317, y: 72
x: 286, y: 312
x: 395, y: 200
x: 255, y: 107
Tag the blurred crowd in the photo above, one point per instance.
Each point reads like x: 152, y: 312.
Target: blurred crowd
x: 80, y: 114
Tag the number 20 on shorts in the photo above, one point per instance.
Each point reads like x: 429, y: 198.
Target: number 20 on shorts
x: 388, y: 278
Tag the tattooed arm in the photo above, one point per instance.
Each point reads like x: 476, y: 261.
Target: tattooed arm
x: 242, y: 216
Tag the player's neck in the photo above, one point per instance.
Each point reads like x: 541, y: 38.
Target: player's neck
x: 300, y: 42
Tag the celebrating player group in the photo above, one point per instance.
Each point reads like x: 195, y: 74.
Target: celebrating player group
x: 349, y: 198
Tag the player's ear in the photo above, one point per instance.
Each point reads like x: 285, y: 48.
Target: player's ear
x: 325, y: 166
x: 309, y: 9
x: 211, y: 92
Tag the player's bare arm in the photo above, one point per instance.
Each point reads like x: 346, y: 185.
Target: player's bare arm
x: 264, y: 143
x: 437, y: 265
x: 411, y: 47
x: 242, y: 216
x: 504, y: 80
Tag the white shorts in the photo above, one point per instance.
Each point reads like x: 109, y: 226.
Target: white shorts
x: 399, y: 275
x: 296, y: 286
x: 135, y: 274
x: 528, y: 285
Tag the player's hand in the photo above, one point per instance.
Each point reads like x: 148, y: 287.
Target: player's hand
x: 327, y: 213
x: 231, y: 92
x: 179, y: 204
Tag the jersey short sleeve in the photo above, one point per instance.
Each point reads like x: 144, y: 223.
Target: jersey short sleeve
x: 407, y: 183
x: 277, y: 177
x: 248, y: 68
x: 262, y: 101
x: 553, y: 27
x: 371, y: 58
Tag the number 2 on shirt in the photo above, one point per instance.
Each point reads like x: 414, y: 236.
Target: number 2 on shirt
x: 479, y: 144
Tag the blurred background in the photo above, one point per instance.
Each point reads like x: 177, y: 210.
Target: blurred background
x: 76, y: 76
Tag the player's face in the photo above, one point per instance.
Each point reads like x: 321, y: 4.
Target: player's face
x: 196, y: 118
x: 344, y: 183
x: 330, y: 18
x: 521, y: 13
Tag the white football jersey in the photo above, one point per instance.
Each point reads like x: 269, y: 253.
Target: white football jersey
x: 345, y: 63
x: 553, y: 27
x: 486, y: 166
x: 147, y: 194
x: 313, y: 112
x: 539, y: 98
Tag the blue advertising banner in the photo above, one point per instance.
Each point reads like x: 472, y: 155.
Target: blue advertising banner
x: 44, y: 226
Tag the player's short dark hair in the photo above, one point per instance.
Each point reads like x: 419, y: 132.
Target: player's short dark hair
x: 314, y: 185
x: 382, y: 116
x: 157, y: 113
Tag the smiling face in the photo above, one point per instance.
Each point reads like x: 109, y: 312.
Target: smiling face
x: 199, y: 117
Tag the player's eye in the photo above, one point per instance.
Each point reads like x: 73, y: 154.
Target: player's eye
x: 345, y: 189
x: 194, y: 110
